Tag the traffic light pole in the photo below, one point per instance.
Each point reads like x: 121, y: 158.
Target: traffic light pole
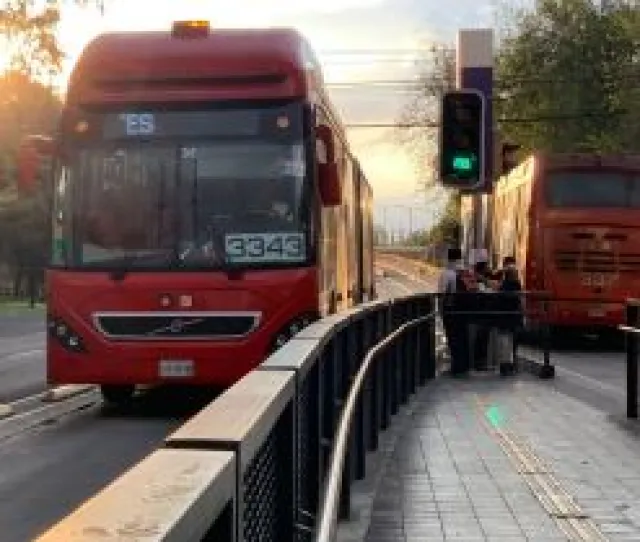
x: 474, y: 70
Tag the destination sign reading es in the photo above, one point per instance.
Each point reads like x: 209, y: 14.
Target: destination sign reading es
x: 140, y: 125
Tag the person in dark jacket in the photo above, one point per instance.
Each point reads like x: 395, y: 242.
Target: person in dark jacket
x: 481, y: 318
x: 508, y: 324
x: 453, y: 305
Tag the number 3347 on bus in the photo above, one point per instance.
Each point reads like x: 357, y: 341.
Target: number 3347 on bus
x: 597, y: 280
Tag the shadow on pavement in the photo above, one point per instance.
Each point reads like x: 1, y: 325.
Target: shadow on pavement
x: 175, y: 402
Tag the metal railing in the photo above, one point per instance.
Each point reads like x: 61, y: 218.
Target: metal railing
x: 251, y: 466
x: 274, y: 457
x: 329, y: 506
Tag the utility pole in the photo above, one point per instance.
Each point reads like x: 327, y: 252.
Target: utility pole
x: 410, y: 221
x: 474, y: 70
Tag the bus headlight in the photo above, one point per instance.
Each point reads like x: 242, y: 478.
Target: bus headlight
x: 61, y: 332
x: 291, y: 329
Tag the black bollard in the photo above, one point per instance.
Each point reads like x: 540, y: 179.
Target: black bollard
x: 547, y: 370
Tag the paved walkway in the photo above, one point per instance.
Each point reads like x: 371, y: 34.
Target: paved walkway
x: 508, y: 460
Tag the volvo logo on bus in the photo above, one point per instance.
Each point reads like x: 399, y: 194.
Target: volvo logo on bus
x: 177, y: 325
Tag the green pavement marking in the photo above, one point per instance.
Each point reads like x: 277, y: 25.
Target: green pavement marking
x: 495, y: 416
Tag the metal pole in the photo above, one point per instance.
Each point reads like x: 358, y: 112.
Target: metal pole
x: 547, y: 370
x: 631, y: 340
x: 474, y: 70
x: 384, y: 226
x: 410, y: 222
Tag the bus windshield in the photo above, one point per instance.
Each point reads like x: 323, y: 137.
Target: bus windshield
x: 201, y: 203
x: 593, y: 189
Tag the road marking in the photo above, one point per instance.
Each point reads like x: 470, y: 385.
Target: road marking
x: 405, y: 289
x: 554, y: 498
x: 36, y: 397
x: 592, y: 381
x: 25, y: 354
x: 64, y: 392
x: 412, y: 278
x: 527, y: 353
x: 19, y: 423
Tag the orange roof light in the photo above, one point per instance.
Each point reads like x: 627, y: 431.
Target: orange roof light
x: 190, y: 29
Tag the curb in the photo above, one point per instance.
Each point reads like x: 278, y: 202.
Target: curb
x: 5, y: 411
x: 19, y: 423
x: 537, y: 368
x: 65, y: 392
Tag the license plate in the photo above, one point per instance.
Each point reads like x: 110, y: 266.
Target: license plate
x: 176, y: 368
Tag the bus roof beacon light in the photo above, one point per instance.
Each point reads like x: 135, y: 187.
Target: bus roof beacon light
x: 190, y: 29
x: 462, y: 140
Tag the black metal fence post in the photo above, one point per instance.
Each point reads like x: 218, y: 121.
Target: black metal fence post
x: 631, y: 340
x: 344, y: 372
x: 372, y: 333
x: 547, y: 370
x: 387, y: 374
x: 363, y: 408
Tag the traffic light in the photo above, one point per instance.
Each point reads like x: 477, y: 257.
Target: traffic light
x: 462, y: 140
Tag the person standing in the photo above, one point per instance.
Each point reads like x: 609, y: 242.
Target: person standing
x: 452, y: 288
x: 511, y: 321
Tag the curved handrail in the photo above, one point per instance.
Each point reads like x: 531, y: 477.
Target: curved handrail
x: 328, y: 515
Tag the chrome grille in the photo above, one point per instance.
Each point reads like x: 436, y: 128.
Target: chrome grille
x: 176, y: 325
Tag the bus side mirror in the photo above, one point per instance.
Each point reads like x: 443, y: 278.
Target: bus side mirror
x: 328, y: 177
x: 34, y: 152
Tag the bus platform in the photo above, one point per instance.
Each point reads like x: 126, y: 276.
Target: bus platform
x: 486, y: 458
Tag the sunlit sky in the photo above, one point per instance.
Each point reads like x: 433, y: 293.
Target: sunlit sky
x: 356, y: 40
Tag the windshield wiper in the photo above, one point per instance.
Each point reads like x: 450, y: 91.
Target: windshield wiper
x: 123, y: 266
x: 120, y: 272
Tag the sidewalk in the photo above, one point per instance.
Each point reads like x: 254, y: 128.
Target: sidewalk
x: 507, y: 459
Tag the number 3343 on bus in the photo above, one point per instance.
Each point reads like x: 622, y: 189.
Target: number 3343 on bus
x: 265, y: 247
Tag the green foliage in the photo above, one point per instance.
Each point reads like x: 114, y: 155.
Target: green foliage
x: 446, y: 229
x: 437, y: 75
x: 27, y: 106
x: 572, y: 69
x: 28, y: 34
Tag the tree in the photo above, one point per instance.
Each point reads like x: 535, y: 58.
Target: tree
x: 437, y: 74
x: 568, y: 66
x: 446, y: 229
x: 28, y: 30
x: 26, y: 107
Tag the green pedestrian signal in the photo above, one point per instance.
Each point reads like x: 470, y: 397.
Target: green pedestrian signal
x: 463, y: 164
x: 461, y: 140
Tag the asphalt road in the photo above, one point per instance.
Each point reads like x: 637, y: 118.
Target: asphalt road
x: 593, y: 373
x: 22, y: 353
x: 48, y: 472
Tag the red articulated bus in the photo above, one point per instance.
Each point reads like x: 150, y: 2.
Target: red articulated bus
x: 206, y: 207
x: 573, y: 223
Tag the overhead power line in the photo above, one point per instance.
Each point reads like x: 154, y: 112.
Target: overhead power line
x: 508, y: 120
x: 419, y: 83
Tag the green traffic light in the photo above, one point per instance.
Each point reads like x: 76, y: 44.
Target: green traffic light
x: 463, y: 163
